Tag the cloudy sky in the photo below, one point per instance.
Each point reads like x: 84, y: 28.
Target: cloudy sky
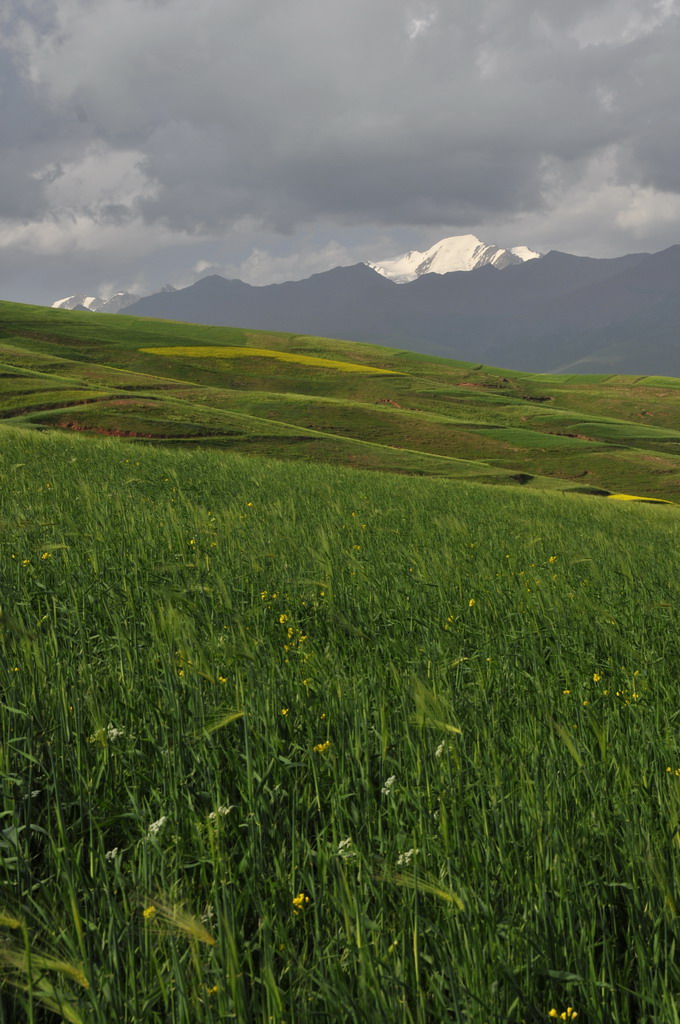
x: 145, y: 141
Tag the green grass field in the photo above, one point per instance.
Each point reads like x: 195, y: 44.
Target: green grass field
x: 322, y: 400
x: 283, y: 742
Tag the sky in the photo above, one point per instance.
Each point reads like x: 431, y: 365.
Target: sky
x: 145, y: 142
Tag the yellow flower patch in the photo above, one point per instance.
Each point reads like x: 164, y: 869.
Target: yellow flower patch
x: 238, y: 352
x: 637, y: 497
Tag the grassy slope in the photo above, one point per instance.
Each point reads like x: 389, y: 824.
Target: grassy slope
x: 436, y: 417
x: 355, y: 623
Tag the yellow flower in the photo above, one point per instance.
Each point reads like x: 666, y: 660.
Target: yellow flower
x: 192, y: 542
x: 283, y: 618
x: 300, y: 902
x: 566, y: 691
x: 150, y: 912
x: 596, y: 677
x: 221, y: 679
x: 553, y: 1013
x: 472, y: 602
x: 249, y: 504
x: 214, y: 990
x: 284, y: 711
x: 552, y: 560
x: 45, y: 555
x: 25, y: 561
x: 321, y: 748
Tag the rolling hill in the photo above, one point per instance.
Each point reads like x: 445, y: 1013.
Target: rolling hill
x: 366, y: 406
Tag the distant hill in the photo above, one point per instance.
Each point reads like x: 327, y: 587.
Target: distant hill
x: 305, y: 398
x: 560, y: 312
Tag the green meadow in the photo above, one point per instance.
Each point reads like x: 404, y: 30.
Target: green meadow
x: 286, y: 742
x: 307, y: 399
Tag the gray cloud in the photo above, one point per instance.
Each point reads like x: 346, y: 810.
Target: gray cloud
x: 131, y: 127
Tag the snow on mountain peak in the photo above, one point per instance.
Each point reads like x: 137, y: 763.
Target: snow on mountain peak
x: 458, y: 252
x: 71, y: 301
x: 96, y: 304
x: 525, y: 253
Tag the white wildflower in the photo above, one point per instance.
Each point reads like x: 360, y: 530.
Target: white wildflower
x: 345, y: 848
x: 440, y: 749
x: 404, y: 859
x: 35, y: 793
x: 111, y: 854
x: 214, y: 815
x: 156, y: 826
x: 389, y: 783
x: 110, y: 733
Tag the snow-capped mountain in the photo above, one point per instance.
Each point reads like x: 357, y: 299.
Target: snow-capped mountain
x: 71, y: 301
x: 459, y: 252
x: 96, y: 304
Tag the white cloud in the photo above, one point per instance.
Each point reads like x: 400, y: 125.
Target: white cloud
x: 592, y: 213
x: 101, y: 177
x: 620, y: 22
x: 646, y: 211
x: 79, y: 233
x: 264, y: 267
x: 418, y: 25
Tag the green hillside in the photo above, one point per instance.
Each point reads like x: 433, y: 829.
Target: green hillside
x: 317, y: 745
x: 343, y: 403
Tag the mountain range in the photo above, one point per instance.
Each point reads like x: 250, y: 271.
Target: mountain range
x: 458, y: 252
x: 556, y: 313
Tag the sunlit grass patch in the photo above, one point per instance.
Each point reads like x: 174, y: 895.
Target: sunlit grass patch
x: 238, y: 352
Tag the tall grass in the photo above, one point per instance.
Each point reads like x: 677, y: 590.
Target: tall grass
x: 287, y: 743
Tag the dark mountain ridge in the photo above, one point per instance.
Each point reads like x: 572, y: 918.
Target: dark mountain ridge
x: 541, y: 315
